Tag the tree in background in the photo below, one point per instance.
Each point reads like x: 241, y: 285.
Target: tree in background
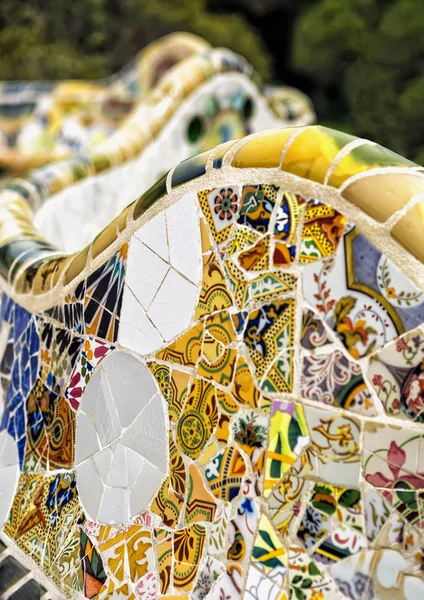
x: 55, y: 39
x: 367, y: 56
x: 361, y: 61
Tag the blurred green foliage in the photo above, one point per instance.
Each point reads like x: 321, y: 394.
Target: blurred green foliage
x: 362, y: 61
x: 57, y: 39
x: 372, y: 53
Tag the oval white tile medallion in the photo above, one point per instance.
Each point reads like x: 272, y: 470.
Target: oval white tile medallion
x: 121, y: 448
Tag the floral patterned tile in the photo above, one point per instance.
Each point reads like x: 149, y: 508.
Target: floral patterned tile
x: 255, y: 449
x: 314, y: 334
x: 323, y: 227
x: 334, y: 380
x: 335, y: 441
x: 362, y: 296
x: 375, y: 574
x: 288, y: 436
x: 397, y: 376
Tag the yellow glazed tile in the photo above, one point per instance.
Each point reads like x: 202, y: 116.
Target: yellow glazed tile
x: 76, y: 266
x: 380, y: 196
x: 104, y: 239
x: 264, y: 150
x: 280, y: 376
x: 256, y: 258
x: 241, y: 238
x: 244, y: 390
x: 173, y: 386
x: 282, y: 450
x: 210, y: 451
x: 200, y: 505
x: 222, y: 431
x: 312, y: 152
x: 221, y: 370
x: 226, y: 401
x: 186, y: 349
x: 214, y: 294
x: 177, y: 471
x: 198, y: 419
x: 409, y: 230
x: 165, y: 565
x: 205, y: 237
x: 188, y: 549
x: 179, y: 382
x: 212, y: 349
x: 323, y: 227
x: 268, y: 548
x: 220, y: 327
x: 363, y: 158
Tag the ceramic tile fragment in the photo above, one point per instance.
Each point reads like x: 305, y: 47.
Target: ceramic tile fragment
x: 9, y: 473
x: 184, y: 239
x: 176, y: 295
x: 224, y: 473
x: 268, y: 441
x: 201, y: 505
x: 213, y: 294
x: 268, y: 331
x: 187, y: 549
x: 121, y: 463
x: 153, y: 234
x: 145, y: 273
x: 314, y: 334
x: 334, y: 380
x: 241, y: 531
x: 220, y: 207
x: 269, y: 554
x: 283, y: 449
x: 198, y: 419
x: 136, y: 330
x: 323, y: 227
x: 362, y: 296
x: 396, y: 376
x: 257, y: 205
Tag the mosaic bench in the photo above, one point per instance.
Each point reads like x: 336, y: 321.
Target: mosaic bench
x: 221, y: 396
x: 45, y: 121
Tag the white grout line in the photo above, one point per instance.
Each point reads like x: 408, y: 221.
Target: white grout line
x: 17, y: 586
x: 6, y: 552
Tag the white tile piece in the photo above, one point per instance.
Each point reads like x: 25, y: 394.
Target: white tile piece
x: 89, y: 398
x: 8, y: 450
x: 145, y: 272
x: 135, y: 463
x: 146, y: 431
x: 115, y: 506
x: 8, y: 477
x: 136, y: 332
x: 86, y: 443
x: 90, y: 487
x: 153, y: 234
x: 413, y: 587
x: 118, y: 475
x: 131, y: 383
x: 107, y: 421
x: 103, y: 460
x: 173, y: 308
x: 184, y: 237
x: 145, y: 486
x: 133, y: 455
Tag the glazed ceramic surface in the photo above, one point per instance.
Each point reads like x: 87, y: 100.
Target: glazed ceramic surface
x: 45, y: 121
x: 222, y: 395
